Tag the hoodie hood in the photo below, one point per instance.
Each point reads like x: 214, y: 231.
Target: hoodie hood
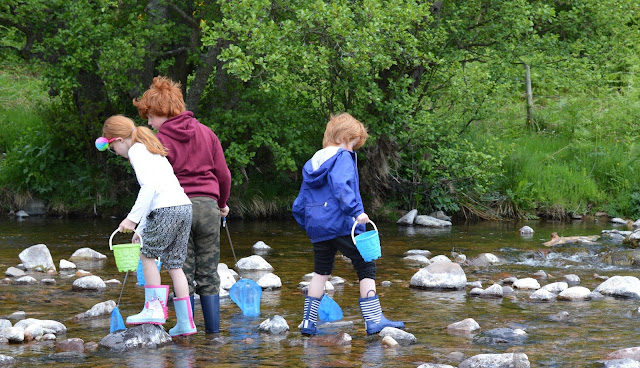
x: 180, y: 128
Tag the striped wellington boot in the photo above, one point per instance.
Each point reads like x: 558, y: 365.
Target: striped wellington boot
x: 310, y: 320
x: 373, y: 318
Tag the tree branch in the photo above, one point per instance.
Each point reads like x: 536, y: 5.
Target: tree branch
x: 184, y: 15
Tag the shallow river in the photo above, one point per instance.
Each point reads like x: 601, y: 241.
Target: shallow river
x: 593, y: 329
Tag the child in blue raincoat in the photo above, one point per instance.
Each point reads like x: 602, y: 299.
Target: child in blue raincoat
x: 326, y: 208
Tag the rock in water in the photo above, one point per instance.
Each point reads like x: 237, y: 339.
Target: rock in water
x: 145, y: 336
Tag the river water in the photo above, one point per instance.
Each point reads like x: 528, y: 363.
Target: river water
x: 592, y: 330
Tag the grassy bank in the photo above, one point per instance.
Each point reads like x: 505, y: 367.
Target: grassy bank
x: 578, y: 158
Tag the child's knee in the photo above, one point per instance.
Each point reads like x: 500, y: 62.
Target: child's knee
x: 367, y: 271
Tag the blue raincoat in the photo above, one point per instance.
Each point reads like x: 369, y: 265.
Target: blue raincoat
x: 329, y: 200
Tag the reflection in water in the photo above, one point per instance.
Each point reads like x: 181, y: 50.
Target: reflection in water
x: 270, y: 298
x: 373, y: 354
x: 183, y: 355
x: 436, y: 298
x: 424, y: 231
x: 143, y: 359
x: 314, y: 354
x: 243, y: 335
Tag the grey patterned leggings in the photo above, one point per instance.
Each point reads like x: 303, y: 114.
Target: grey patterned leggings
x: 166, y: 235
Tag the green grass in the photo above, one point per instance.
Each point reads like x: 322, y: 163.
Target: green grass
x: 22, y: 94
x: 582, y: 159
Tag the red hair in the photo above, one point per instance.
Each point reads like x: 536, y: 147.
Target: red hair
x: 344, y: 127
x: 162, y: 99
x: 122, y: 127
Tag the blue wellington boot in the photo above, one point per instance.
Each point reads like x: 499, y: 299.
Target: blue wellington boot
x: 211, y: 312
x: 310, y: 320
x: 185, y: 325
x: 155, y: 306
x: 373, y: 318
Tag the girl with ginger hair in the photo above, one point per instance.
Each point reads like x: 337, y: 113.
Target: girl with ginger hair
x: 162, y: 214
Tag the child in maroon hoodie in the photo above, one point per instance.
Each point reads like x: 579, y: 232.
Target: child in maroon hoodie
x: 198, y: 161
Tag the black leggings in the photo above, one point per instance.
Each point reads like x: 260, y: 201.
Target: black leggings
x: 325, y: 254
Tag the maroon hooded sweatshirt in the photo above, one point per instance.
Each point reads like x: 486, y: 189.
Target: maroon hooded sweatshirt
x: 197, y: 158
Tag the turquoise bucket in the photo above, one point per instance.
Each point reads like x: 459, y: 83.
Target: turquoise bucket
x: 368, y: 243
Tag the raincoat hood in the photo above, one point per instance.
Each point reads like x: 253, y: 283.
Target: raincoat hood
x: 315, y: 171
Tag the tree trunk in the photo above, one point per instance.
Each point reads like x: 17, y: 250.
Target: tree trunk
x: 90, y: 98
x: 527, y: 85
x: 199, y: 83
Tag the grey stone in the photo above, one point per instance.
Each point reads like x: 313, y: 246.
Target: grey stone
x: 35, y: 207
x: 26, y: 280
x: 254, y: 262
x: 270, y: 281
x: 429, y: 221
x: 508, y: 360
x: 87, y: 253
x: 6, y: 360
x: 48, y: 326
x: 440, y: 275
x: 276, y: 325
x: 37, y: 256
x: 622, y: 363
x: 408, y: 219
x: 145, y: 336
x: 14, y: 272
x: 261, y: 246
x: 398, y: 335
x: 18, y: 315
x: 502, y: 335
x: 99, y: 309
x: 89, y: 283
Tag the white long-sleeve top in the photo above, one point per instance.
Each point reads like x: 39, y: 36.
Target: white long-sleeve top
x: 159, y: 186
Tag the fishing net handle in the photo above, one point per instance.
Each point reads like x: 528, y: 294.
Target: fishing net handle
x: 224, y: 224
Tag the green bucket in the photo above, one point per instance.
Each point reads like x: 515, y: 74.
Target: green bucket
x: 126, y: 255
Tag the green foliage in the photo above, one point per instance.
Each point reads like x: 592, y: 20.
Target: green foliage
x: 634, y: 203
x: 438, y: 84
x: 523, y: 196
x: 45, y: 162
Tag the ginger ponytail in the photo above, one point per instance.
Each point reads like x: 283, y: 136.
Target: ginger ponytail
x: 145, y: 136
x: 122, y: 127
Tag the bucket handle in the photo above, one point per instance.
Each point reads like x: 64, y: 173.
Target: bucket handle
x: 353, y: 229
x: 116, y: 231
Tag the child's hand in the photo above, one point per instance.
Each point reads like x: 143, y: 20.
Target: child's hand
x: 135, y: 238
x: 127, y: 226
x: 224, y: 211
x: 363, y: 218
